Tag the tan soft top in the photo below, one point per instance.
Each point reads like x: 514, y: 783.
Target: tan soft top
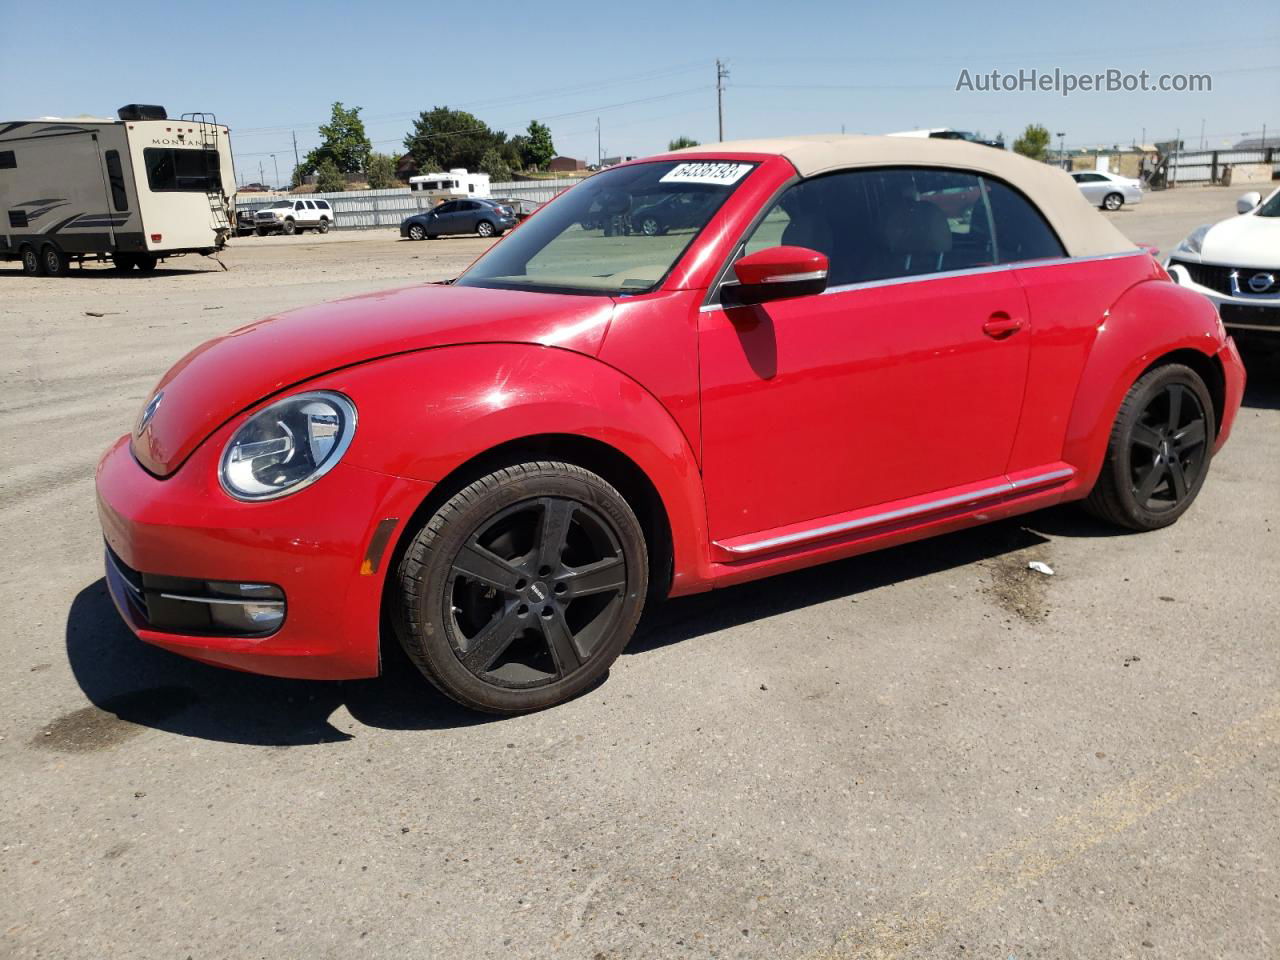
x: 1083, y: 231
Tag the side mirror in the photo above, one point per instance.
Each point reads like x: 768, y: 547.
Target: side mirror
x: 777, y: 273
x: 1248, y: 201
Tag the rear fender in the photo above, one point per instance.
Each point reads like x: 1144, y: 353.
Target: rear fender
x: 424, y: 414
x: 1150, y: 320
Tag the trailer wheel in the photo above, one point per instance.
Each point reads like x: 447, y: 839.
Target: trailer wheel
x: 123, y: 262
x: 289, y: 228
x: 146, y: 262
x: 54, y: 261
x: 31, y: 265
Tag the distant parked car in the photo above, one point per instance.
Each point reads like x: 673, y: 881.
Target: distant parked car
x: 245, y: 222
x: 520, y: 209
x: 1108, y: 190
x: 485, y: 218
x: 293, y: 216
x: 1236, y: 264
x: 670, y: 212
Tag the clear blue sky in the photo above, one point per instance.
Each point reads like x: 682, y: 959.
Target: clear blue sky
x: 645, y: 69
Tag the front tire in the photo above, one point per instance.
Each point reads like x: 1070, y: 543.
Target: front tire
x: 416, y: 232
x: 289, y: 228
x: 522, y: 589
x: 1159, y: 451
x: 31, y: 263
x: 1112, y: 202
x: 260, y: 231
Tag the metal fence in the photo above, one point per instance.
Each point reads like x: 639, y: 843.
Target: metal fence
x: 366, y: 209
x: 1208, y: 166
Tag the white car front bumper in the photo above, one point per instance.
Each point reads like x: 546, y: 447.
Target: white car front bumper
x: 1231, y: 291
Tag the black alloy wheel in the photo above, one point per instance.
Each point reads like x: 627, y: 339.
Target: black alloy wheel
x: 1159, y: 452
x: 523, y: 589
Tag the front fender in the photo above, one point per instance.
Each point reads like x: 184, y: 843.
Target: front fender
x: 424, y: 414
x: 1148, y: 321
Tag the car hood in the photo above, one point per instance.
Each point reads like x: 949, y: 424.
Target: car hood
x: 1244, y: 241
x: 231, y: 373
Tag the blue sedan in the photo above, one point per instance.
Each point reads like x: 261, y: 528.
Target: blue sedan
x: 484, y: 218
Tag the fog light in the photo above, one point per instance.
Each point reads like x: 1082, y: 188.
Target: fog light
x: 227, y: 607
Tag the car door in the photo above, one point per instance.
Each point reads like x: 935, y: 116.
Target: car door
x: 1093, y: 186
x: 469, y: 219
x: 445, y: 218
x: 904, y: 379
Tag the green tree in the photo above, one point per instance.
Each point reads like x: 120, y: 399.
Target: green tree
x: 329, y: 178
x: 537, y: 148
x: 381, y: 171
x: 1033, y: 143
x: 495, y: 165
x: 343, y: 141
x: 442, y: 139
x: 679, y: 143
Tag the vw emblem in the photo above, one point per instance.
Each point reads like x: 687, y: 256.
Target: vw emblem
x: 1261, y: 282
x: 150, y: 411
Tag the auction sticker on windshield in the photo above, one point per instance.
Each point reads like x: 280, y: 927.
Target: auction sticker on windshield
x: 721, y: 174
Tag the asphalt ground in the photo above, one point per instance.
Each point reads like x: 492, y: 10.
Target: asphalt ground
x: 927, y: 752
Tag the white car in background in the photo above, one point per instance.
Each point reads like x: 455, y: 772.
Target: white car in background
x: 1236, y: 264
x: 1109, y: 191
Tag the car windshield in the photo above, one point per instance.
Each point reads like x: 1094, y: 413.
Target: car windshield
x: 1272, y: 207
x: 618, y: 233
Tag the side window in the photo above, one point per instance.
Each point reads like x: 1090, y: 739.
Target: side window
x: 7, y: 160
x: 310, y: 205
x: 115, y: 177
x: 322, y: 204
x: 449, y: 207
x: 885, y: 223
x: 472, y: 187
x: 297, y: 205
x: 1020, y: 231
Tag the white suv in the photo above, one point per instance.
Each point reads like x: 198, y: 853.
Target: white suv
x: 293, y: 216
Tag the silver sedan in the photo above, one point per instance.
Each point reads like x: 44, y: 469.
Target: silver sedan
x: 1108, y: 190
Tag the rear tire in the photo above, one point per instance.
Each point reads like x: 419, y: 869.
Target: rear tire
x: 32, y: 264
x: 53, y: 261
x: 146, y: 262
x: 1159, y: 451
x: 324, y: 226
x: 123, y: 262
x: 650, y: 227
x: 522, y: 589
x: 1112, y: 202
x: 484, y: 229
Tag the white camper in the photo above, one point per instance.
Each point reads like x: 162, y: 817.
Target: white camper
x: 455, y: 183
x: 134, y: 190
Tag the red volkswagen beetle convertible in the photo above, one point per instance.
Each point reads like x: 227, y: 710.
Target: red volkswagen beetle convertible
x: 847, y: 343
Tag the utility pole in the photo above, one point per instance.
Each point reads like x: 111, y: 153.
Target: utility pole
x: 722, y: 74
x: 296, y: 162
x: 261, y: 176
x: 277, y: 166
x: 1062, y: 150
x: 599, y: 148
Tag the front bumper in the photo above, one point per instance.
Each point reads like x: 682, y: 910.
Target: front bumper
x: 327, y: 548
x: 1233, y: 375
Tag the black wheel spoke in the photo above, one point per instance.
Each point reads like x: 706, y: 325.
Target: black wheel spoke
x: 1147, y: 486
x: 492, y: 641
x: 1190, y: 436
x: 560, y: 641
x: 1175, y: 406
x: 1179, y: 478
x: 1145, y: 436
x: 605, y: 576
x: 476, y: 562
x: 553, y: 532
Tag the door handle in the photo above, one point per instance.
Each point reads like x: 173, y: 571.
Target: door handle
x: 999, y: 326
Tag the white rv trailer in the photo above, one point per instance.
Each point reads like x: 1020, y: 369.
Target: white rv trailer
x: 134, y: 190
x: 455, y: 183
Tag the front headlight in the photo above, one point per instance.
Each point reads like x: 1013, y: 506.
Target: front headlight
x: 1194, y: 240
x: 288, y: 446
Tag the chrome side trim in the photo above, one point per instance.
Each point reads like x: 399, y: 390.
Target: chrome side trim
x: 794, y: 277
x: 239, y: 603
x: 128, y: 584
x: 818, y: 533
x: 968, y: 272
x: 1252, y: 326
